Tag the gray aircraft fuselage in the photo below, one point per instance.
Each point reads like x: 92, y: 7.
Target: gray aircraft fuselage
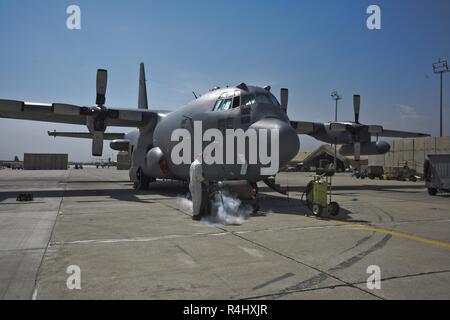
x: 151, y: 150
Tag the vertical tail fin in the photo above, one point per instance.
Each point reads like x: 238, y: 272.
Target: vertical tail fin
x: 142, y: 102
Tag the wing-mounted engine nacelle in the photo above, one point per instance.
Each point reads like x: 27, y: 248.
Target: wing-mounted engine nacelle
x: 368, y: 148
x: 120, y: 145
x: 156, y: 164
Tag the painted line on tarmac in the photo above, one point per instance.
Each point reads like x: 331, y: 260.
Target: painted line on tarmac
x: 178, y: 236
x: 398, y: 235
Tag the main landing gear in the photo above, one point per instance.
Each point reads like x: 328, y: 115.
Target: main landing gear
x: 143, y: 181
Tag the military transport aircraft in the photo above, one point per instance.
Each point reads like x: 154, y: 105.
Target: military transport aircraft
x: 150, y: 146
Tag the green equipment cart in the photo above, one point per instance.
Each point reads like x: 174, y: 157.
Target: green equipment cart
x: 318, y: 194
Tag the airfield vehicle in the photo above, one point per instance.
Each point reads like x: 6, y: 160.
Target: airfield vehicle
x: 78, y: 166
x: 17, y: 166
x: 437, y: 173
x: 318, y: 193
x: 360, y: 173
x: 402, y: 173
x: 375, y: 172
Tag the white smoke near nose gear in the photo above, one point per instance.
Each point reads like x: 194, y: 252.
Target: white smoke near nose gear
x: 185, y: 204
x: 227, y: 210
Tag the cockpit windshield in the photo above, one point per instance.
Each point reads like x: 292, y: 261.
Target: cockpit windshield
x: 235, y: 99
x: 228, y: 100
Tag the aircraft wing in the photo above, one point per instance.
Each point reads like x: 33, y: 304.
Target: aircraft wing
x: 304, y: 127
x: 73, y: 114
x: 86, y: 135
x: 401, y: 134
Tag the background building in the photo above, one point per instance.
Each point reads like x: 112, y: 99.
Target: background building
x: 411, y: 152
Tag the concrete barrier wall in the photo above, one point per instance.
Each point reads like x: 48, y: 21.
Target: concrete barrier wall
x: 35, y: 161
x: 414, y: 151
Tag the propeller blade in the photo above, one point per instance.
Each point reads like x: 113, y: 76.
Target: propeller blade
x: 102, y: 80
x: 142, y: 100
x: 357, y: 152
x: 284, y: 98
x: 97, y: 143
x: 356, y: 106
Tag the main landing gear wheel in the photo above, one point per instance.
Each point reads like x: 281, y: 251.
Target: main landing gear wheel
x: 317, y: 210
x: 333, y: 209
x: 143, y: 181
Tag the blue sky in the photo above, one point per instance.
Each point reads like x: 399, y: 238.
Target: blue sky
x: 310, y: 47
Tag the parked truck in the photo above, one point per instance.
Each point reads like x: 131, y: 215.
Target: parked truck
x: 375, y: 172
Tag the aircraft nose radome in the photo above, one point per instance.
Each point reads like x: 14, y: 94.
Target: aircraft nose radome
x: 289, y: 143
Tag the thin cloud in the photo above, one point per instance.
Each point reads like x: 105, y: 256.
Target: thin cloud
x: 409, y: 113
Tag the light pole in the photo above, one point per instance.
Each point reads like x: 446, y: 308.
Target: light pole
x: 336, y: 97
x: 440, y: 67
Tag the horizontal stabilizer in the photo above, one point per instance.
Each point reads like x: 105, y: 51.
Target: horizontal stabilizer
x: 86, y: 135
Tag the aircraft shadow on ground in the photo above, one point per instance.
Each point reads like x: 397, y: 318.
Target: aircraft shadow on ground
x: 127, y: 193
x: 386, y: 188
x: 275, y: 204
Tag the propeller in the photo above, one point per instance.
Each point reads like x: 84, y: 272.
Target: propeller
x: 96, y: 121
x: 356, y: 106
x: 284, y: 98
x: 357, y: 151
x: 357, y: 143
x: 102, y: 81
x: 96, y: 117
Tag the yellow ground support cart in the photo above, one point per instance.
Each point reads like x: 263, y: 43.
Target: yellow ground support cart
x: 318, y: 194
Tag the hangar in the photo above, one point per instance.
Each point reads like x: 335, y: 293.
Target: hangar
x: 308, y: 160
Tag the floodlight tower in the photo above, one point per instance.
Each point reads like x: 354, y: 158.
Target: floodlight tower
x: 336, y: 97
x: 440, y: 68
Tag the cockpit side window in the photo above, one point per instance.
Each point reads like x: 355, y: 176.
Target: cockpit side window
x: 236, y: 102
x: 226, y: 105
x: 218, y: 105
x: 266, y: 98
x: 263, y: 98
x: 248, y: 99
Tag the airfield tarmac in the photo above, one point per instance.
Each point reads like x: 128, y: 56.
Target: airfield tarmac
x: 144, y: 245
